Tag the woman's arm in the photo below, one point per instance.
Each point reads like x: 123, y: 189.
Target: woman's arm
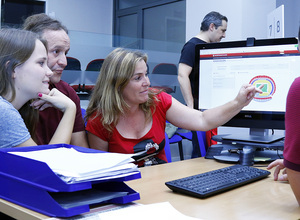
x: 97, y: 143
x: 27, y: 143
x: 191, y: 119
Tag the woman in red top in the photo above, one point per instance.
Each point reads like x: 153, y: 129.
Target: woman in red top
x: 126, y: 116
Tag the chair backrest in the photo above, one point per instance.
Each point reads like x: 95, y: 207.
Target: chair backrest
x: 94, y: 65
x: 83, y: 111
x: 73, y: 64
x: 165, y: 68
x: 202, y: 142
x: 167, y: 148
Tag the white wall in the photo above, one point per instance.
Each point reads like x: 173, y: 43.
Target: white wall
x: 90, y: 25
x: 246, y: 18
x: 291, y: 16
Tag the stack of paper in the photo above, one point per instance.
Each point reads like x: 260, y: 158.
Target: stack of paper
x: 73, y: 166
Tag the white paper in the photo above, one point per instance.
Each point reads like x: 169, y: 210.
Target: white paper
x: 73, y: 166
x: 146, y: 212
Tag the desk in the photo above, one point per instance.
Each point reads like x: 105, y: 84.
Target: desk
x: 264, y: 199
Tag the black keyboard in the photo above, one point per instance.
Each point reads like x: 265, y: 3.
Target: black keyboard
x: 213, y: 182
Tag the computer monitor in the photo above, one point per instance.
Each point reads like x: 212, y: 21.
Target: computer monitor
x: 224, y: 67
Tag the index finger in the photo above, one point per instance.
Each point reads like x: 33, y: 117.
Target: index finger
x: 37, y: 103
x: 258, y: 89
x: 261, y: 86
x: 274, y: 164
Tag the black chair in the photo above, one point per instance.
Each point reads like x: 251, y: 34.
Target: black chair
x: 94, y: 65
x: 165, y: 69
x: 73, y: 64
x: 90, y: 78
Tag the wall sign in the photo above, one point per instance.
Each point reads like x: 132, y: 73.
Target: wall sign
x: 275, y: 25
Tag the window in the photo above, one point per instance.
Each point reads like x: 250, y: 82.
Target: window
x: 14, y: 12
x: 150, y: 24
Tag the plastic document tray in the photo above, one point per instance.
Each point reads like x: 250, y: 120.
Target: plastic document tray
x: 32, y: 184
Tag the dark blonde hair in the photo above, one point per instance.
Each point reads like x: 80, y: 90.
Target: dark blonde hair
x: 16, y: 47
x: 116, y: 72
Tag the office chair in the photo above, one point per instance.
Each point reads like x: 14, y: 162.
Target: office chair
x: 90, y: 78
x: 201, y: 135
x: 167, y: 148
x: 73, y: 64
x: 94, y: 65
x: 175, y: 138
x: 83, y: 111
x: 165, y: 69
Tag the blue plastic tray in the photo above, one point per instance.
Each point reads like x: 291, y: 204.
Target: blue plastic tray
x: 30, y: 183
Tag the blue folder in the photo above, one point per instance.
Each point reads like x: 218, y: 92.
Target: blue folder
x: 32, y: 184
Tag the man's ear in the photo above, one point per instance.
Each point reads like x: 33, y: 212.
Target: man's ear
x: 212, y: 27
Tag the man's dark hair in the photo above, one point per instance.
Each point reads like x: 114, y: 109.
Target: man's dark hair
x: 38, y: 23
x: 212, y: 17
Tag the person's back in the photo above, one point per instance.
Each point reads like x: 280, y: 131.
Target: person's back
x: 58, y: 43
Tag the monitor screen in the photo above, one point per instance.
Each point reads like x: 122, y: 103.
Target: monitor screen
x: 224, y: 67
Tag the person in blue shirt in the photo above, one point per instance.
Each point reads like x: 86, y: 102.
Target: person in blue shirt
x: 24, y: 76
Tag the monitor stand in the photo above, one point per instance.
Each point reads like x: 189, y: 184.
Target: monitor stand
x: 248, y: 156
x: 257, y: 146
x: 255, y: 135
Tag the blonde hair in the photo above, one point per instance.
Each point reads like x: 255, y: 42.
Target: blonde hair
x: 116, y: 72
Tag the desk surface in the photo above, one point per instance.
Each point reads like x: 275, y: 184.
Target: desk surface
x: 264, y: 199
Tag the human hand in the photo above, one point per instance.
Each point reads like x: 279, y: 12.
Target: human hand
x: 54, y: 99
x: 279, y: 166
x: 246, y: 93
x: 40, y: 104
